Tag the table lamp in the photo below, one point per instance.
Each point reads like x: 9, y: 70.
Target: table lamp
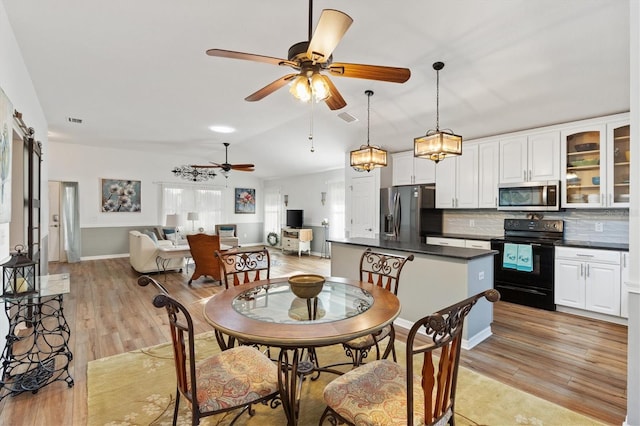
x: 173, y: 221
x: 192, y: 216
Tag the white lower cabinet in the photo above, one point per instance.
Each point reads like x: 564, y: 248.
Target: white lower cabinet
x: 476, y: 244
x: 624, y: 289
x: 458, y: 242
x: 588, y: 279
x: 450, y: 242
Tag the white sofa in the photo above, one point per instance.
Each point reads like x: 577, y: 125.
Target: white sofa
x: 143, y: 252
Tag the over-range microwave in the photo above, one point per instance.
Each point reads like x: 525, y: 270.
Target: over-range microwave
x: 529, y: 196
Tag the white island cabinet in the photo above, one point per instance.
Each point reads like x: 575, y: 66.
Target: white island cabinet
x: 436, y: 278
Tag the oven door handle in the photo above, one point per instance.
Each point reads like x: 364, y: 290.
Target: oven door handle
x: 526, y: 290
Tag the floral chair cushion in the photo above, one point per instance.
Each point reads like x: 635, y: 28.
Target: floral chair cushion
x: 376, y: 394
x: 368, y: 340
x: 234, y: 377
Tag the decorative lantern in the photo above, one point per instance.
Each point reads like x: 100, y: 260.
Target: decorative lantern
x: 19, y: 274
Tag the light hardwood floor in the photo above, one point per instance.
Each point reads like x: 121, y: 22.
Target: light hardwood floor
x: 574, y: 362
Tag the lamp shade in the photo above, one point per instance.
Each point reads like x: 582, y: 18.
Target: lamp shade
x: 437, y: 145
x: 192, y: 216
x: 368, y: 157
x: 173, y: 220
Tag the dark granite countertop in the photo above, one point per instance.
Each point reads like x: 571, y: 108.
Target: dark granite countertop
x: 594, y: 245
x: 418, y: 248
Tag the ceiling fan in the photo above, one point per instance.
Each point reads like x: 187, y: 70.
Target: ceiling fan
x: 226, y: 166
x: 311, y: 58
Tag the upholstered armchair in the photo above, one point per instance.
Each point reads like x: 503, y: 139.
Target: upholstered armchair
x: 143, y: 251
x: 228, y: 234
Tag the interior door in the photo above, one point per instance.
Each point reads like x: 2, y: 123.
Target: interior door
x: 54, y: 221
x: 363, y: 211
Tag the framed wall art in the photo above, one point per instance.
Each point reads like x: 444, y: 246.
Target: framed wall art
x: 6, y: 140
x: 245, y: 200
x: 120, y: 195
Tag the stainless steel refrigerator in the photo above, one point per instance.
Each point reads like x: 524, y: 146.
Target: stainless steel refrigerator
x: 408, y: 213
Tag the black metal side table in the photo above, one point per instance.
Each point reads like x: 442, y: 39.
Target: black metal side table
x: 36, y: 351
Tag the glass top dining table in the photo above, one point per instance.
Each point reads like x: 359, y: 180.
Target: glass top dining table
x: 267, y: 312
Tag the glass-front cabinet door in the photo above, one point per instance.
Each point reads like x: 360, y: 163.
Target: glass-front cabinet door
x: 619, y: 155
x: 583, y: 160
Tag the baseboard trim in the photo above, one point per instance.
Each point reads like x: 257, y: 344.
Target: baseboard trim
x: 104, y: 256
x: 466, y: 343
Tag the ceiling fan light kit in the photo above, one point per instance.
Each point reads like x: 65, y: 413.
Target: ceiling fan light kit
x: 310, y: 58
x: 368, y: 157
x: 437, y: 144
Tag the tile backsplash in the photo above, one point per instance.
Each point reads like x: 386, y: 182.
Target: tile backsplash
x: 578, y: 224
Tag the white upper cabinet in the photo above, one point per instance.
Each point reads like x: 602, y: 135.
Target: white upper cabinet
x: 457, y: 180
x: 408, y: 170
x: 530, y: 158
x: 488, y: 174
x: 595, y: 165
x: 618, y: 163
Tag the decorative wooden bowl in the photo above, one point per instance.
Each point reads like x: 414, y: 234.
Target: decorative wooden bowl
x: 306, y: 286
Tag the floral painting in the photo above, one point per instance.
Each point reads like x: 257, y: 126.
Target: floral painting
x: 245, y: 200
x: 6, y: 114
x: 119, y: 195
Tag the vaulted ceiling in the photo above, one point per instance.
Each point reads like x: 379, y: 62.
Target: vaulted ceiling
x: 137, y: 75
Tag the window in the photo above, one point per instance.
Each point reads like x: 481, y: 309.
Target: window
x: 182, y: 199
x: 272, y: 211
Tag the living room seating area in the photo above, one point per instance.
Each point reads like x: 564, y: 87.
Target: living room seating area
x: 143, y: 252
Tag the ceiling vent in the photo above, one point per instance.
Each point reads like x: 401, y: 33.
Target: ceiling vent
x: 74, y: 120
x: 347, y: 117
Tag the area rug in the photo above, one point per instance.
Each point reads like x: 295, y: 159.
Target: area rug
x: 138, y: 388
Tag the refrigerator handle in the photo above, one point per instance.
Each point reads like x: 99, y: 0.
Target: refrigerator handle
x: 396, y: 215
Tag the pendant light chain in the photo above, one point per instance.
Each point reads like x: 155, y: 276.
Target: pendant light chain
x: 311, y: 129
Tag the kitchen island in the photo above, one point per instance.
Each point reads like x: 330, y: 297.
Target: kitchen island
x: 439, y: 276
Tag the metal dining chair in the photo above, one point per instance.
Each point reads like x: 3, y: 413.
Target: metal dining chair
x: 386, y: 393
x: 383, y: 270
x: 244, y: 266
x: 235, y: 378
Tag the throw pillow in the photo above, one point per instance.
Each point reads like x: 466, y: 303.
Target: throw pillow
x: 224, y: 233
x: 151, y: 235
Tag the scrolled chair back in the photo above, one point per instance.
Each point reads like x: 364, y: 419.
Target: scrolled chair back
x: 242, y: 267
x: 382, y: 269
x: 443, y: 330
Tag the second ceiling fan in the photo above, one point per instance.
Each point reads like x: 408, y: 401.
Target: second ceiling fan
x: 313, y: 57
x: 226, y: 166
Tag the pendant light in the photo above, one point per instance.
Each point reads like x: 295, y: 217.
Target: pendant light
x: 368, y: 157
x: 437, y: 144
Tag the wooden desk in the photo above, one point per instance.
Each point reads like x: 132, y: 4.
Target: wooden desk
x: 267, y: 313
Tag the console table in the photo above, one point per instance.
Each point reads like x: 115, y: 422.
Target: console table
x: 36, y: 352
x: 295, y: 239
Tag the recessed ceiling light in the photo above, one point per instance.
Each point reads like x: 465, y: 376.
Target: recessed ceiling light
x: 222, y: 129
